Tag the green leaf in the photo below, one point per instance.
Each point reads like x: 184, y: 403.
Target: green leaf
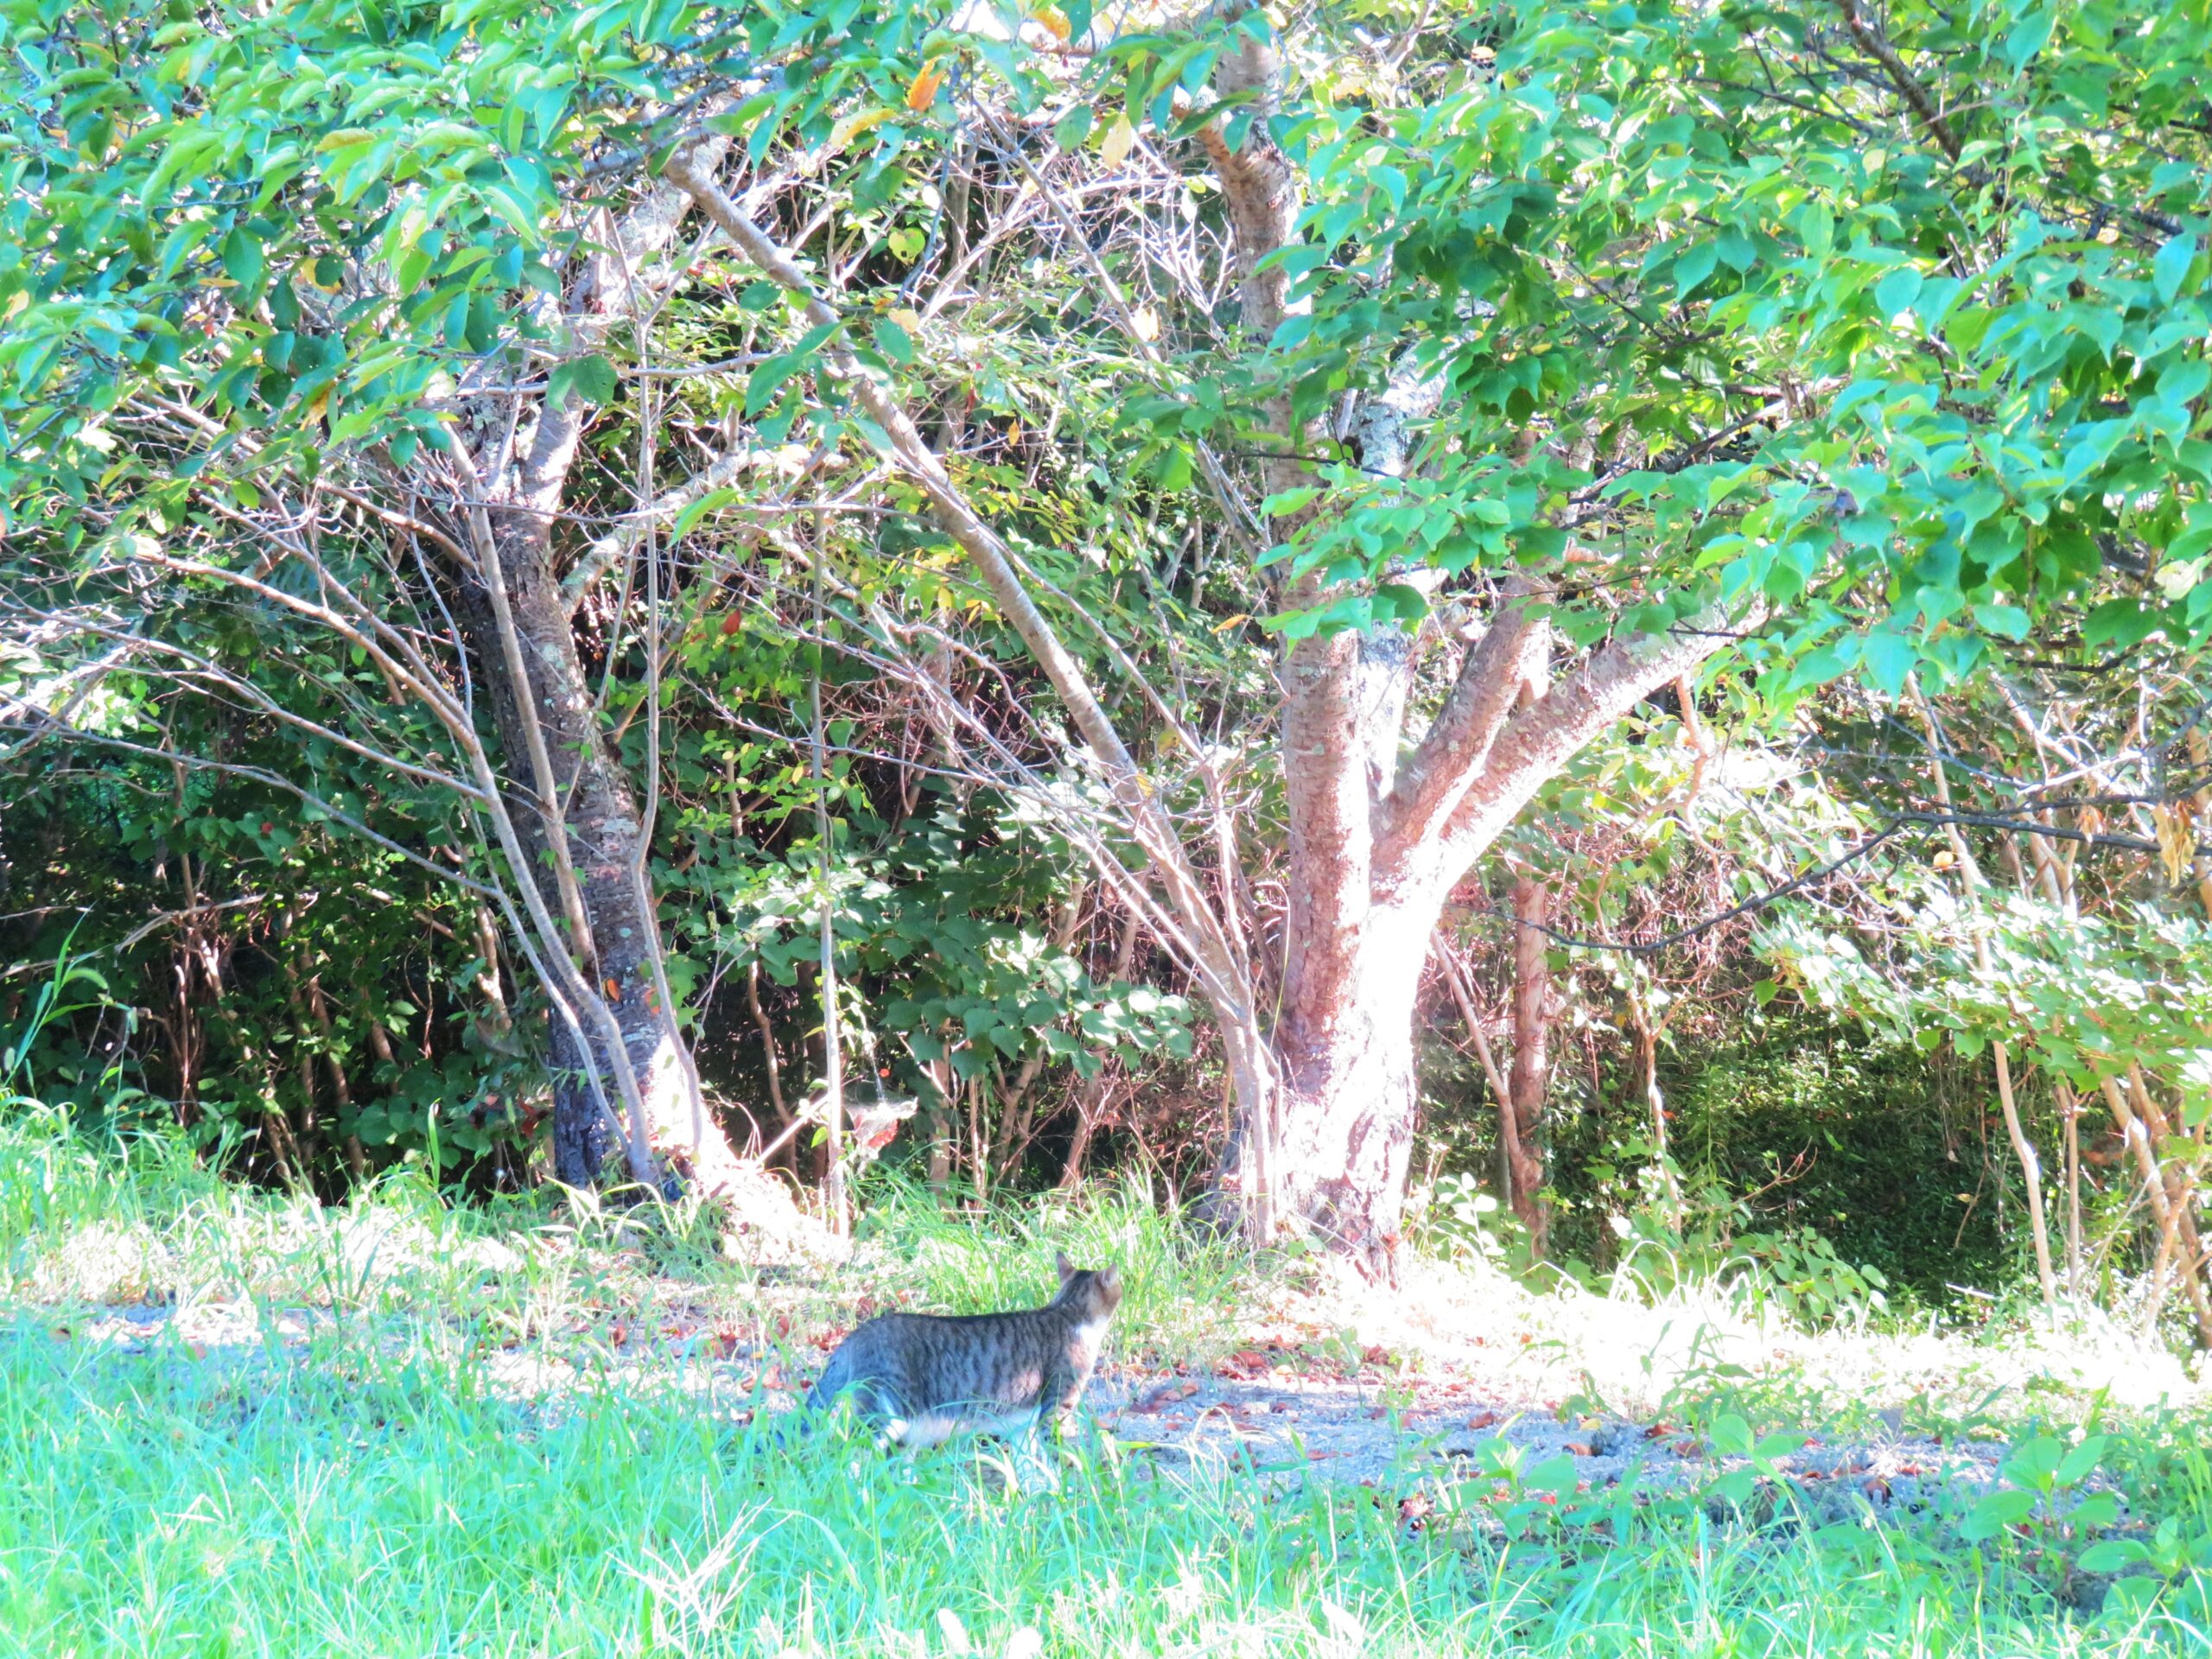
x: 713, y: 501
x: 1888, y: 656
x: 2081, y: 1460
x: 1816, y: 225
x: 1732, y: 1436
x: 2170, y: 269
x: 1897, y: 291
x: 894, y: 341
x: 1997, y: 1511
x: 242, y: 257
x: 2121, y: 622
x: 2035, y: 1462
x: 1556, y: 1475
x: 2110, y: 1554
x: 1071, y: 129
x: 591, y: 378
x: 1693, y: 267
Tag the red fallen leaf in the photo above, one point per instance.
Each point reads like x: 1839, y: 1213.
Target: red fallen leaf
x: 1248, y: 1359
x: 1415, y: 1511
x: 1481, y: 1420
x: 1581, y: 1448
x: 1375, y: 1354
x: 1163, y: 1393
x: 1548, y: 1498
x: 864, y: 1308
x: 731, y: 624
x: 1878, y: 1488
x: 1658, y: 1431
x: 620, y: 1332
x: 1811, y: 1474
x: 782, y: 1325
x: 1908, y: 1468
x: 1686, y: 1448
x: 727, y: 1339
x: 1581, y: 1486
x: 1315, y: 1454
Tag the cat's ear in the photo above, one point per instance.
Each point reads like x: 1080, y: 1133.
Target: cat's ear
x: 1067, y: 1268
x: 1109, y: 1280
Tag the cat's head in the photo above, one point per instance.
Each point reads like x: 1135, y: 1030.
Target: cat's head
x: 1095, y: 1293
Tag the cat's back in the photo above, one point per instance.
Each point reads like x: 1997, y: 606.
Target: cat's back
x: 932, y: 1372
x: 919, y: 1344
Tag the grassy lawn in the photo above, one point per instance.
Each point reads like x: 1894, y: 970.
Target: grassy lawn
x: 421, y: 1430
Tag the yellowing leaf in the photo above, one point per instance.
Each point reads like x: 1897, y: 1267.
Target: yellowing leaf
x: 1054, y: 20
x: 919, y: 95
x: 1121, y: 138
x: 2177, y: 839
x: 1144, y: 323
x: 852, y: 126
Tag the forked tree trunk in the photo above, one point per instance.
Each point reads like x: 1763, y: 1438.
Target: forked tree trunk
x: 1383, y: 824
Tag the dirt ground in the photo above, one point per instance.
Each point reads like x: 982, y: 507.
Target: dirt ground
x: 1457, y: 1373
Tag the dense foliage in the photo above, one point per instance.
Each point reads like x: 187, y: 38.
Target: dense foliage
x: 1870, y: 351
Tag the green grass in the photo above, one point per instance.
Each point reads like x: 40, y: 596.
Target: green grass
x: 382, y: 1486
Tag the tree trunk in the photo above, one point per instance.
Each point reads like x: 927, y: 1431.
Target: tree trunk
x: 598, y: 811
x: 1346, y: 1049
x: 1535, y: 1005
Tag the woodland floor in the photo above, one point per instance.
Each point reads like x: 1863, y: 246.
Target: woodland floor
x: 239, y: 1422
x: 1318, y: 1377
